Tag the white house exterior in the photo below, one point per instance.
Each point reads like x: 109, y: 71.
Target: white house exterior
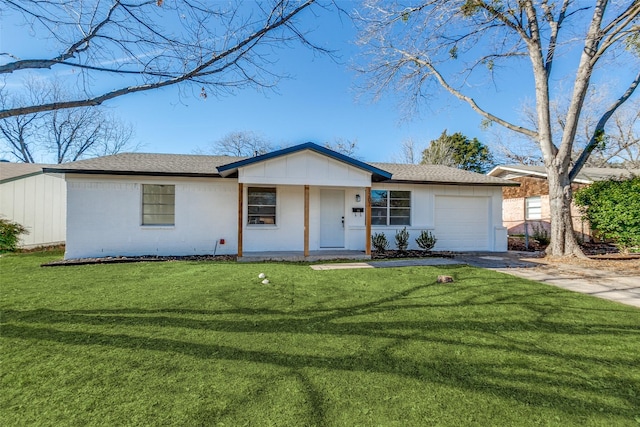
x: 34, y: 200
x: 304, y: 199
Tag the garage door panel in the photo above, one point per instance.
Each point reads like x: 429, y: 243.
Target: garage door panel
x: 462, y: 223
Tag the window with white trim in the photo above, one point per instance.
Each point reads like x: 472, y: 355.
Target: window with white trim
x: 533, y: 207
x: 261, y: 206
x: 158, y: 204
x: 390, y: 207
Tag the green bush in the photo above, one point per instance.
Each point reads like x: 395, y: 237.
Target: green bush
x: 613, y: 209
x: 379, y: 242
x: 9, y: 235
x: 540, y: 234
x: 402, y: 239
x: 426, y: 241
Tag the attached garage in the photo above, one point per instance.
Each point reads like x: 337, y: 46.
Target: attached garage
x: 462, y: 223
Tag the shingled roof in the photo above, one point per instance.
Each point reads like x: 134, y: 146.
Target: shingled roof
x: 148, y: 164
x: 12, y: 171
x: 206, y: 166
x: 439, y: 174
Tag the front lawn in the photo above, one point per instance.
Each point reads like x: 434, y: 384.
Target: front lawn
x: 197, y: 343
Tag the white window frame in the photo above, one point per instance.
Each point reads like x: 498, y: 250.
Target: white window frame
x: 533, y: 208
x: 274, y: 206
x: 387, y: 209
x: 167, y: 200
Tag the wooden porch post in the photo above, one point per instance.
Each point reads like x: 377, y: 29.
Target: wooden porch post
x: 367, y: 220
x: 240, y: 218
x: 306, y: 220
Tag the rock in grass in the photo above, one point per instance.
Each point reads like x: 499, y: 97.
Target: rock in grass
x: 445, y: 279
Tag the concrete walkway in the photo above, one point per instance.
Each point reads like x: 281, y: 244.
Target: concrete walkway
x: 619, y: 286
x: 409, y: 262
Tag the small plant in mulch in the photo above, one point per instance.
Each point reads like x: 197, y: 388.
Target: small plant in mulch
x: 379, y: 242
x: 426, y: 240
x: 541, y: 235
x: 402, y: 239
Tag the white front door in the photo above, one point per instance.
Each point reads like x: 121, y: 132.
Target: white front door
x: 332, y: 218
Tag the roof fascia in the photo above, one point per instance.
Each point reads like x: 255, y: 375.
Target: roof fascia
x: 132, y: 173
x: 467, y: 184
x: 15, y: 178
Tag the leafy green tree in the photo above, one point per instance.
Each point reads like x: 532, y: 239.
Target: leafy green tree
x: 613, y: 209
x: 458, y: 151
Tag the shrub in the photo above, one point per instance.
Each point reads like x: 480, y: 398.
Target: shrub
x: 379, y: 242
x: 9, y: 234
x: 426, y: 241
x: 402, y: 239
x: 540, y: 234
x: 612, y: 207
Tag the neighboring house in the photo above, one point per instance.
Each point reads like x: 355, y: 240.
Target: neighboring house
x: 528, y: 205
x: 35, y: 200
x: 300, y: 199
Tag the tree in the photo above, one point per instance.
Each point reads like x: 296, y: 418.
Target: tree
x: 145, y: 45
x: 620, y: 146
x: 458, y: 151
x: 242, y: 144
x: 409, y: 152
x: 612, y: 209
x: 453, y: 44
x: 62, y: 135
x: 343, y: 146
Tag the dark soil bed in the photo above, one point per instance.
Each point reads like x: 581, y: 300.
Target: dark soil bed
x: 591, y: 249
x: 147, y: 258
x: 393, y: 254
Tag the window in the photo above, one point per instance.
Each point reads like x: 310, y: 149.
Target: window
x: 261, y: 205
x: 158, y: 204
x: 390, y: 207
x: 533, y: 208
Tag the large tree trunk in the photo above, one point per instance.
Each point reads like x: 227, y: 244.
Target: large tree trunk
x: 563, y: 239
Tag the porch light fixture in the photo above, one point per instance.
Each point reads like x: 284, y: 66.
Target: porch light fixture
x: 357, y: 198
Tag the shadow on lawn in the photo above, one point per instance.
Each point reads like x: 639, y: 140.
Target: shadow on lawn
x: 514, y: 377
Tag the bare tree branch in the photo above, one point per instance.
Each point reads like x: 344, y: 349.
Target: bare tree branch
x: 220, y: 49
x: 598, y: 131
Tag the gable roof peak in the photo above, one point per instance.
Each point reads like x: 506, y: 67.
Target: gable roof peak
x: 230, y: 168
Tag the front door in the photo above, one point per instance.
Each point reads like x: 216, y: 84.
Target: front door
x: 332, y: 218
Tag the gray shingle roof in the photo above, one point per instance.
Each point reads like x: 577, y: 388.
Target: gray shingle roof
x: 201, y: 165
x: 586, y: 175
x: 148, y: 164
x: 11, y: 171
x: 438, y: 174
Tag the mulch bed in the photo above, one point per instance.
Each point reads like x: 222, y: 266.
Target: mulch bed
x: 393, y: 254
x: 390, y: 254
x: 595, y: 250
x: 146, y: 258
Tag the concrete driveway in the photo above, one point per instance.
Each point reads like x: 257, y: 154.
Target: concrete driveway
x: 621, y: 285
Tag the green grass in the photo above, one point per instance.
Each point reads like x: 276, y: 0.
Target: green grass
x: 189, y: 344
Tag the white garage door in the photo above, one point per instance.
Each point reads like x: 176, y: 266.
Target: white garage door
x: 462, y: 223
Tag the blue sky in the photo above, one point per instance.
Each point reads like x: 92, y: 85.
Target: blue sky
x: 318, y: 103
